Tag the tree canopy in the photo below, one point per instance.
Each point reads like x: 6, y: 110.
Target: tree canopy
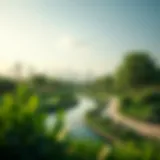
x: 137, y: 69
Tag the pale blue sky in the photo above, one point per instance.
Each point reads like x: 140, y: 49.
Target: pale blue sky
x: 76, y: 35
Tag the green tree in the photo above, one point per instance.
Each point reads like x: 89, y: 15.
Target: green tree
x: 138, y: 69
x: 158, y: 76
x: 6, y: 85
x: 105, y: 83
x: 39, y: 80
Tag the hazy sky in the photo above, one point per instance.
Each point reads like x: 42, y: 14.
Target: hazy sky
x: 76, y: 35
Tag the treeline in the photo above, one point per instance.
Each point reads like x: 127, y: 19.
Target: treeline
x: 137, y: 70
x: 137, y: 83
x: 7, y: 85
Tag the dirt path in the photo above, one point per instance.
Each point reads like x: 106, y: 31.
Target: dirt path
x: 142, y: 128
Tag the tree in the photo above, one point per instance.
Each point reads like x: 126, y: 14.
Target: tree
x: 6, y: 85
x: 105, y: 83
x: 158, y: 76
x: 39, y: 80
x: 138, y: 69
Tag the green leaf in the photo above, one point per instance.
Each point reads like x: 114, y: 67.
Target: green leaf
x: 7, y: 102
x: 55, y: 100
x: 32, y: 104
x: 21, y: 89
x: 60, y: 115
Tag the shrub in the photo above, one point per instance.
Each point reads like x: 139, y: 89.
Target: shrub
x: 126, y: 101
x: 23, y: 133
x: 151, y: 98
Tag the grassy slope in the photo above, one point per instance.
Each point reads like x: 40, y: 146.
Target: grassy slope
x: 142, y: 104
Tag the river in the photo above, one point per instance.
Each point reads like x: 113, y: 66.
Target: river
x: 75, y: 120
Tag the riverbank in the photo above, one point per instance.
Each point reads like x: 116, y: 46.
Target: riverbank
x: 93, y: 119
x: 113, y: 116
x: 122, y: 138
x: 98, y: 130
x: 51, y: 101
x: 51, y: 107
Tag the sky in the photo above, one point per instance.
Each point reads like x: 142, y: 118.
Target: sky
x: 78, y: 37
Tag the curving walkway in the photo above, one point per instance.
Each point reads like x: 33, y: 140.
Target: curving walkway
x: 145, y: 129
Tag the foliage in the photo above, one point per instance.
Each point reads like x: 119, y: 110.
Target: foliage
x: 105, y: 83
x: 127, y: 144
x: 53, y: 102
x: 137, y: 70
x: 143, y: 105
x: 6, y: 85
x: 132, y: 151
x: 23, y: 134
x: 39, y: 80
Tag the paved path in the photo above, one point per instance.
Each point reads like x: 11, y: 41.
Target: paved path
x: 145, y: 129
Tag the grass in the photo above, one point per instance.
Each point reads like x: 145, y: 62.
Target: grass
x: 129, y: 145
x: 143, y: 105
x: 119, y: 132
x: 142, y: 113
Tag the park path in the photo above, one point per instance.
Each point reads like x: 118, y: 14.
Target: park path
x: 145, y: 129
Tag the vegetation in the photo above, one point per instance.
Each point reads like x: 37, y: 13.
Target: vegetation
x: 23, y: 111
x: 6, y: 85
x: 23, y: 134
x: 53, y: 93
x: 143, y: 105
x: 137, y: 70
x: 126, y: 144
x: 136, y: 82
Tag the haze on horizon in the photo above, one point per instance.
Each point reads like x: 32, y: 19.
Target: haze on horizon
x: 76, y: 37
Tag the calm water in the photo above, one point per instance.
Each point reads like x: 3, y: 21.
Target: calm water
x: 75, y: 120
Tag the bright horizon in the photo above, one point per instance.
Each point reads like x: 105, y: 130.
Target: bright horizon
x: 80, y: 36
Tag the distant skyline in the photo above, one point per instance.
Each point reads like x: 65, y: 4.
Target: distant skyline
x: 76, y: 36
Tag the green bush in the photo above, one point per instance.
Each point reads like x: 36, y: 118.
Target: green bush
x: 6, y: 85
x: 149, y: 97
x: 23, y: 133
x: 126, y: 101
x: 143, y: 105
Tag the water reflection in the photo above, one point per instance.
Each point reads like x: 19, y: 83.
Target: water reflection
x: 75, y: 119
